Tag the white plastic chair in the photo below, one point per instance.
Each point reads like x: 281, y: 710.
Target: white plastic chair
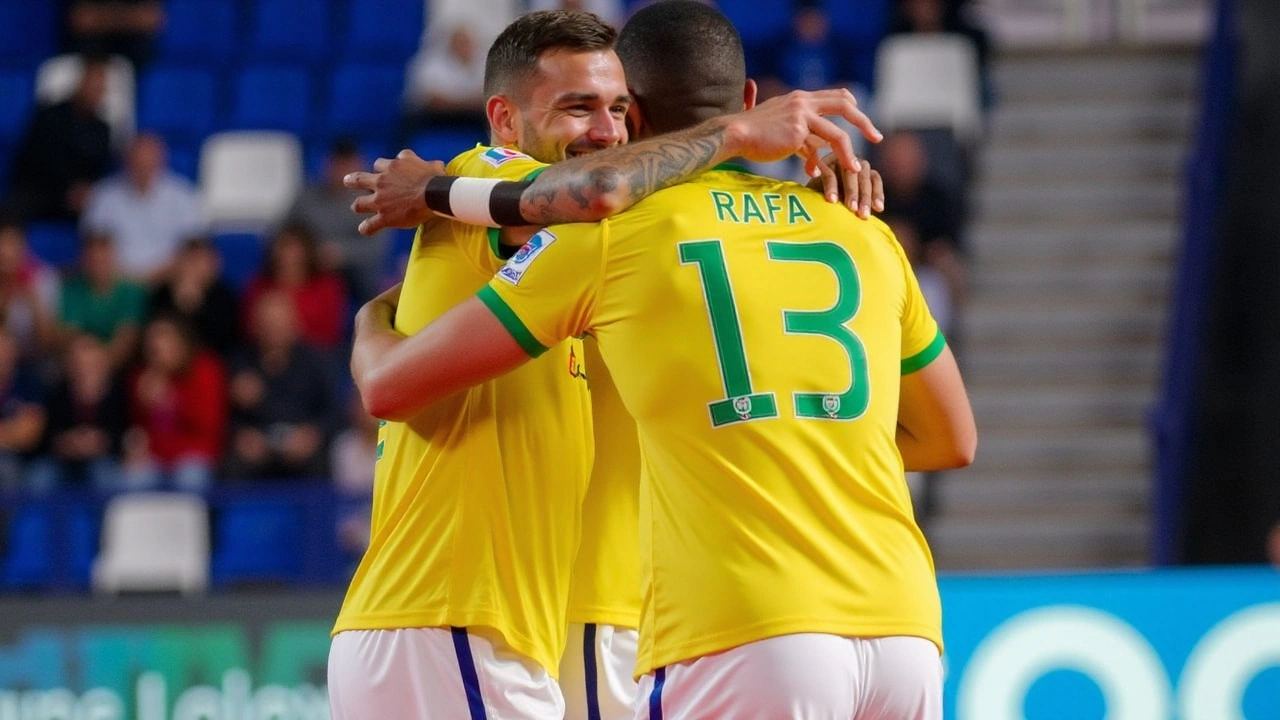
x: 58, y: 77
x: 929, y: 80
x: 153, y: 541
x: 249, y: 178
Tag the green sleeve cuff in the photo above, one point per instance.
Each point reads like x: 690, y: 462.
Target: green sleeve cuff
x: 533, y: 175
x: 511, y: 321
x: 925, y: 356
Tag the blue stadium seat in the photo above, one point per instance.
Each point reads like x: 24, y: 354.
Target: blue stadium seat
x: 364, y: 100
x: 444, y: 144
x: 272, y: 97
x: 28, y: 562
x: 868, y: 20
x: 202, y: 31
x: 17, y: 89
x: 180, y: 103
x: 384, y: 29
x: 293, y: 30
x: 28, y: 31
x: 56, y: 243
x: 257, y: 540
x: 241, y: 255
x: 759, y: 23
x: 184, y: 159
x: 84, y: 528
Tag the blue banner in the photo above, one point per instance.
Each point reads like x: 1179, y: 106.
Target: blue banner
x: 1159, y: 645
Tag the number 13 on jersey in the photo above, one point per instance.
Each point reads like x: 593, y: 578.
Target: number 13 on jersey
x: 742, y: 401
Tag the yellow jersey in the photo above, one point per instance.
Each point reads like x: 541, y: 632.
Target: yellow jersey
x: 605, y: 585
x: 477, y: 502
x: 757, y: 334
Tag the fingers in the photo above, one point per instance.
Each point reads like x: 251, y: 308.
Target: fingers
x: 381, y: 164
x: 839, y: 140
x: 364, y: 204
x: 842, y: 102
x: 830, y: 181
x: 877, y: 191
x: 850, y: 187
x: 864, y: 192
x: 359, y: 180
x: 371, y: 225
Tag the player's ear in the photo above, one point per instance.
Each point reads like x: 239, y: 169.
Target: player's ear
x: 749, y: 94
x: 502, y: 119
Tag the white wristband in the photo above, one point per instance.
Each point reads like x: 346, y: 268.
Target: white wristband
x: 469, y: 200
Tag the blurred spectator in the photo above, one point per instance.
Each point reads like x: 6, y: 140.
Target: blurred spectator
x: 1273, y: 545
x: 610, y: 11
x: 911, y: 192
x: 444, y: 86
x: 933, y: 284
x: 810, y: 57
x: 101, y: 303
x: 119, y: 27
x: 196, y: 293
x: 65, y: 150
x: 293, y: 267
x: 282, y: 399
x: 352, y: 457
x: 324, y: 207
x: 147, y: 209
x: 29, y: 293
x: 949, y: 16
x: 22, y: 414
x: 88, y: 415
x: 178, y: 408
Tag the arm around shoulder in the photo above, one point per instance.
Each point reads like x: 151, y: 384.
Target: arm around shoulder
x: 936, y: 429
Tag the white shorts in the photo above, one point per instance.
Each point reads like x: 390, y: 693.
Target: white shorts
x: 596, y: 673
x: 436, y: 674
x: 801, y: 677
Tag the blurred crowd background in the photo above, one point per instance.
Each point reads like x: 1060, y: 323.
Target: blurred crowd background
x: 179, y: 264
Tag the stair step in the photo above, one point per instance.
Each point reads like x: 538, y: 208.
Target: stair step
x: 1061, y: 327
x: 1026, y: 455
x: 1094, y: 76
x: 1064, y: 282
x: 1099, y: 161
x: 1035, y: 367
x: 1045, y: 200
x: 1077, y: 541
x: 1030, y: 494
x: 996, y: 247
x: 1061, y: 409
x: 1080, y: 122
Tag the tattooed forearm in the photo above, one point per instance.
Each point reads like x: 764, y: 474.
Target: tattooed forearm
x: 596, y: 186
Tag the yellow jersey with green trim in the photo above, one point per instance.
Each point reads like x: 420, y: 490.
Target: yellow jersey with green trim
x: 477, y: 501
x: 605, y: 585
x: 757, y: 335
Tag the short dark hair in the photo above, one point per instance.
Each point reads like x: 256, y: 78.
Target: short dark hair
x: 513, y: 57
x: 684, y: 63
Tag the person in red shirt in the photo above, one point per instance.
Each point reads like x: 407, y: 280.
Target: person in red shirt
x: 293, y: 266
x: 178, y: 405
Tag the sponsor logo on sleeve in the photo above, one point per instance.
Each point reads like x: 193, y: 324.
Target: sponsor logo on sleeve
x: 495, y: 156
x: 524, y: 257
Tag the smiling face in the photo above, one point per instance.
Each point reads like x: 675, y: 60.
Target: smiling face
x: 575, y: 103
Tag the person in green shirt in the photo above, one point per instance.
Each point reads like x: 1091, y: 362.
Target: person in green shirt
x: 100, y: 302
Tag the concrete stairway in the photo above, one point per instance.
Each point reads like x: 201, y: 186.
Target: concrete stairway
x: 1076, y: 223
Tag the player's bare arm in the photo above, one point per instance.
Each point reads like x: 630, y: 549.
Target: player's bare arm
x: 936, y: 430
x: 398, y: 377
x: 590, y: 188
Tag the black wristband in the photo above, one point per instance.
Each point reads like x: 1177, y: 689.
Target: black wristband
x: 437, y: 194
x: 504, y: 204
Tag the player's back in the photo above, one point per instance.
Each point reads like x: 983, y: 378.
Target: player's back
x: 477, y: 500
x: 758, y: 334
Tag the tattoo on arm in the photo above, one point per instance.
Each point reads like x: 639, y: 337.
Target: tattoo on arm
x: 594, y: 186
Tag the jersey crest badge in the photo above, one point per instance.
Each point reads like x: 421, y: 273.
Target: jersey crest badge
x: 831, y: 405
x: 495, y: 156
x: 524, y: 257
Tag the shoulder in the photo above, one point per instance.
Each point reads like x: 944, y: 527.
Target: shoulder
x: 496, y: 162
